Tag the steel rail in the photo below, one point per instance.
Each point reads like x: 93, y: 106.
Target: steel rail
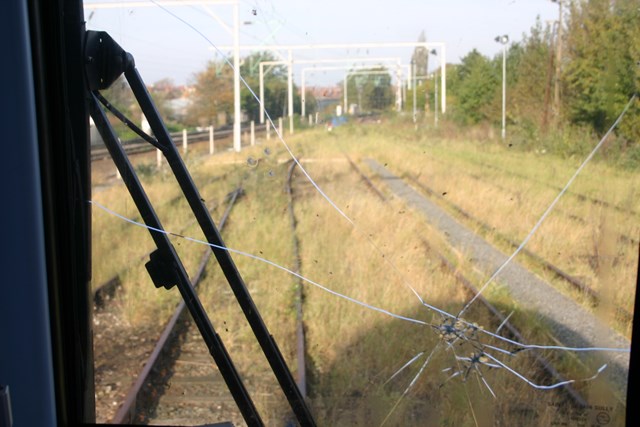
x: 165, y: 267
x: 300, y: 340
x: 366, y: 179
x: 573, y: 281
x: 106, y: 61
x: 267, y: 342
x: 472, y: 291
x: 573, y: 217
x: 127, y: 411
x: 579, y: 196
x: 139, y: 145
x: 513, y: 331
x: 108, y: 287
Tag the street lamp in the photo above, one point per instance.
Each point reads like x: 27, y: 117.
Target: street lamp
x: 504, y: 39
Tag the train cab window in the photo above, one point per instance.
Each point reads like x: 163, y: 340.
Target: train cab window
x: 361, y: 213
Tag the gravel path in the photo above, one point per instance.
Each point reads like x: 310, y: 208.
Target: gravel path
x: 571, y: 324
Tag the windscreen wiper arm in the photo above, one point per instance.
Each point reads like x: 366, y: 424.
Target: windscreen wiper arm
x: 106, y: 61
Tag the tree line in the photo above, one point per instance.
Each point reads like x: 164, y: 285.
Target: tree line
x: 548, y: 94
x: 213, y: 91
x: 369, y: 88
x: 599, y: 70
x: 210, y: 95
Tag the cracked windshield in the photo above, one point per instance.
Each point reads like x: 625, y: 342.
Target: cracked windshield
x: 379, y: 213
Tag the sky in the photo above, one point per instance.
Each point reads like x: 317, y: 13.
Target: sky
x: 166, y: 47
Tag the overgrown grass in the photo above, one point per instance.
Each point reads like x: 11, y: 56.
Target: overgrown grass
x: 567, y: 141
x: 587, y: 240
x: 395, y: 233
x: 352, y: 350
x: 120, y: 248
x: 509, y: 190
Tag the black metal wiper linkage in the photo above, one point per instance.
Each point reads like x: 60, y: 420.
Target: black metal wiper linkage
x: 106, y: 61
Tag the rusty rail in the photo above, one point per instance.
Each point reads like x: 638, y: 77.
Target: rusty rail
x: 579, y: 196
x: 127, y: 410
x: 138, y: 145
x: 573, y: 281
x: 108, y: 288
x: 513, y: 331
x: 300, y: 341
x: 366, y: 179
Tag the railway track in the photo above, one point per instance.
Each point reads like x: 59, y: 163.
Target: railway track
x: 571, y: 325
x: 129, y: 405
x: 299, y: 292
x: 139, y: 145
x: 186, y: 376
x: 578, y: 196
x: 180, y: 384
x: 621, y: 237
x: 107, y: 289
x: 511, y: 331
x: 574, y: 282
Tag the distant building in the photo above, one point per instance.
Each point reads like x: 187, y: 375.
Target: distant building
x: 326, y: 92
x: 326, y: 96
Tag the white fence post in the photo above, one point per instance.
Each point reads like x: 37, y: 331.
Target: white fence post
x: 184, y: 141
x: 211, y: 147
x: 253, y: 133
x: 268, y: 123
x: 280, y: 126
x: 158, y: 158
x: 290, y: 125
